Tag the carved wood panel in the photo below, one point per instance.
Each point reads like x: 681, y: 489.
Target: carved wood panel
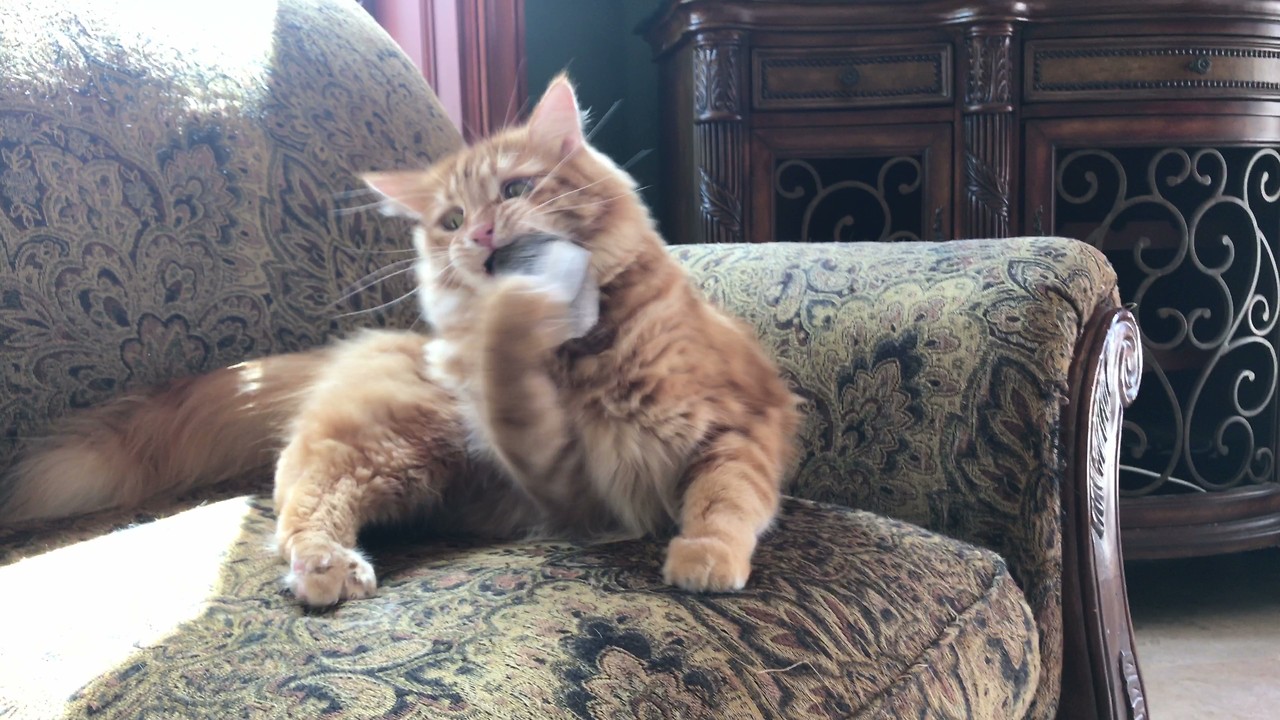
x: 988, y: 167
x: 989, y: 77
x: 989, y: 136
x: 836, y: 78
x: 1125, y: 68
x: 719, y: 136
x: 716, y: 78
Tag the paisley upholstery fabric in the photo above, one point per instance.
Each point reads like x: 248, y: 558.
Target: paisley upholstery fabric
x: 171, y: 179
x: 848, y: 614
x: 934, y: 377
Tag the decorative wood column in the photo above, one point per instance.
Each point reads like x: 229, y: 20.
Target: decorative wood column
x: 989, y: 133
x: 720, y: 134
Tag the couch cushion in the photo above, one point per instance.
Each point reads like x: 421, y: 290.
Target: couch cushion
x: 175, y: 180
x: 847, y: 614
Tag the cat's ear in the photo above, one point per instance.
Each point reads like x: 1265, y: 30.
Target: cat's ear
x: 556, y: 121
x: 396, y: 188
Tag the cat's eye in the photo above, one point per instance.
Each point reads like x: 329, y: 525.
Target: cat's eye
x: 452, y: 220
x: 516, y: 188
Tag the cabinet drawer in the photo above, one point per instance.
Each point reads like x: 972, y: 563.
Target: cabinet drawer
x: 1144, y: 68
x: 786, y: 79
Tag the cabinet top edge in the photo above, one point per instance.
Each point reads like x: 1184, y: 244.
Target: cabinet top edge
x: 676, y: 20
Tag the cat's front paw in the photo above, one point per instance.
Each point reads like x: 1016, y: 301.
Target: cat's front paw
x: 706, y: 564
x: 324, y: 574
x: 528, y: 316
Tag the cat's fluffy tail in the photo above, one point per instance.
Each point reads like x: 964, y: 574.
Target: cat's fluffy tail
x: 192, y: 432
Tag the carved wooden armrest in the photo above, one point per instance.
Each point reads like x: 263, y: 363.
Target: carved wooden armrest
x: 1100, y: 676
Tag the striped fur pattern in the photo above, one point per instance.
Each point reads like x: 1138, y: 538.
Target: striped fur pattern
x: 667, y: 417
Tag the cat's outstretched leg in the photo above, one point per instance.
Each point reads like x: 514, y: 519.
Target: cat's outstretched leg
x: 316, y: 534
x: 373, y: 442
x: 731, y: 499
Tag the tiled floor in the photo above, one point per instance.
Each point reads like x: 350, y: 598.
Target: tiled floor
x: 1208, y: 632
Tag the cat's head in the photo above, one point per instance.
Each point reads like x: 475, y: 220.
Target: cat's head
x: 539, y: 177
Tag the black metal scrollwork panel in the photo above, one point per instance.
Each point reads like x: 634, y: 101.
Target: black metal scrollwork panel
x: 849, y: 199
x: 1192, y: 233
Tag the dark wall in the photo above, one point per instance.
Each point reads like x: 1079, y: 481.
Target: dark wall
x: 595, y: 41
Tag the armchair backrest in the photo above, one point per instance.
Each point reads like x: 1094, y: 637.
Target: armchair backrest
x: 172, y: 183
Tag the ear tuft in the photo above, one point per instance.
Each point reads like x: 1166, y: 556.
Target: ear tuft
x: 557, y: 121
x: 396, y: 188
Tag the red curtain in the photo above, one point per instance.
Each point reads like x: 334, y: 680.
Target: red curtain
x: 428, y: 32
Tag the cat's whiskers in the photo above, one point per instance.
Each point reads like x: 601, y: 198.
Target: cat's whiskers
x: 437, y: 275
x: 383, y: 306
x: 433, y: 255
x: 402, y: 199
x: 538, y: 185
x: 437, y: 259
x: 383, y: 274
x: 568, y: 193
x: 344, y: 211
x: 347, y: 194
x: 375, y: 274
x: 511, y: 101
x: 634, y: 158
x: 368, y: 251
x: 603, y: 119
x: 597, y: 202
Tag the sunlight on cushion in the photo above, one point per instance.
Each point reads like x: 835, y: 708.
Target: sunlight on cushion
x: 229, y: 44
x: 72, y: 614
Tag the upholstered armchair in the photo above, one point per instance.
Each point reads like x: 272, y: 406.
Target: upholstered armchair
x: 179, y: 192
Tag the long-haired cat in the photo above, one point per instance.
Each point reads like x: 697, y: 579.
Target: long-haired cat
x: 666, y: 415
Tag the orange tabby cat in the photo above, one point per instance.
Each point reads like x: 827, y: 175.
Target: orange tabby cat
x: 666, y: 413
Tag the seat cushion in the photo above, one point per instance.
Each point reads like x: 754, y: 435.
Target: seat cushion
x: 847, y: 614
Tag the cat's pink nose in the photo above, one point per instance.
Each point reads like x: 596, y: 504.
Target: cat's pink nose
x: 483, y: 236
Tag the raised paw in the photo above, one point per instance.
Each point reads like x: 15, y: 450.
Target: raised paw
x: 528, y: 316
x: 706, y: 564
x: 323, y: 574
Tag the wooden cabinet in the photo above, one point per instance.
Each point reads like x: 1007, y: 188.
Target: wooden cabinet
x: 834, y: 78
x: 882, y: 182
x: 1150, y: 129
x: 1187, y: 208
x: 779, y: 118
x: 1172, y: 67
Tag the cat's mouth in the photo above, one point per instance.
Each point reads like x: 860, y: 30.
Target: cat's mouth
x: 525, y: 254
